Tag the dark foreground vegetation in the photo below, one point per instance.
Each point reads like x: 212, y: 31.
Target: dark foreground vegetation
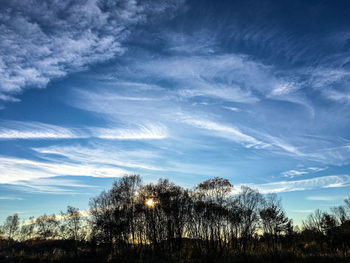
x: 164, y: 222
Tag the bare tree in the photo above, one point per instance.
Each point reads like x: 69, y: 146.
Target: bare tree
x: 249, y: 201
x: 274, y: 220
x: 314, y: 222
x: 72, y: 223
x: 125, y: 191
x: 113, y: 212
x: 11, y: 226
x: 340, y: 213
x: 101, y: 220
x: 27, y: 229
x: 214, y: 193
x: 47, y: 226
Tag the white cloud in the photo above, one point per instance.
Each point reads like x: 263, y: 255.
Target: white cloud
x: 174, y: 113
x: 283, y: 89
x: 339, y: 96
x: 97, y: 160
x: 102, y: 155
x: 10, y: 198
x: 41, y: 41
x: 337, y: 155
x: 303, y: 211
x: 147, y: 162
x: 284, y: 145
x: 232, y: 109
x: 326, y: 198
x: 307, y: 184
x: 36, y: 130
x: 229, y: 77
x: 147, y: 132
x: 228, y: 132
x: 14, y: 170
x: 50, y: 186
x: 294, y: 173
x: 233, y: 93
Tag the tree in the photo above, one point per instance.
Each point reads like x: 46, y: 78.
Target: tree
x: 101, y: 220
x: 314, y: 222
x: 235, y: 212
x: 72, y: 220
x: 47, y: 226
x: 340, y: 213
x: 113, y: 212
x: 174, y: 206
x: 313, y: 230
x: 214, y: 193
x: 27, y: 229
x: 123, y: 195
x: 11, y: 226
x: 249, y: 201
x: 274, y: 220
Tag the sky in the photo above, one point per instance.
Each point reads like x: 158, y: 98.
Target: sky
x: 257, y: 92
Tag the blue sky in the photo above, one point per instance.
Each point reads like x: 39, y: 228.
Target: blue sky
x: 253, y: 91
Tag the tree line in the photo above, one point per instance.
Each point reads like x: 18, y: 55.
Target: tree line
x: 205, y: 221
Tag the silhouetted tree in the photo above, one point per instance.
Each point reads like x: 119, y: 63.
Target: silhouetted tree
x: 213, y: 194
x: 210, y: 222
x: 47, y: 226
x: 274, y: 220
x: 102, y: 219
x: 249, y: 201
x: 113, y: 212
x: 72, y: 223
x: 11, y: 226
x: 27, y: 229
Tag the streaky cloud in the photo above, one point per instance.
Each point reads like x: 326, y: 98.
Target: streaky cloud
x: 36, y: 130
x: 101, y: 155
x: 147, y: 132
x: 10, y: 198
x: 228, y: 132
x: 14, y: 170
x: 325, y: 198
x: 330, y: 181
x: 56, y: 186
x: 294, y: 173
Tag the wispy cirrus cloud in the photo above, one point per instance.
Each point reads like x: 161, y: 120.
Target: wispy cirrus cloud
x: 171, y: 114
x: 177, y: 113
x: 229, y: 77
x: 137, y: 161
x: 48, y: 172
x: 102, y: 155
x: 10, y: 198
x: 303, y: 171
x: 228, y: 132
x: 326, y: 198
x: 303, y: 211
x: 42, y: 41
x: 146, y: 132
x: 36, y: 130
x: 55, y: 185
x: 14, y: 170
x: 330, y: 181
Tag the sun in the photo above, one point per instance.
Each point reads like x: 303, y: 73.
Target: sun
x: 150, y: 202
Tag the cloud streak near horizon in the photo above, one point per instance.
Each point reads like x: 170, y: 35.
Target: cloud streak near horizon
x: 330, y: 181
